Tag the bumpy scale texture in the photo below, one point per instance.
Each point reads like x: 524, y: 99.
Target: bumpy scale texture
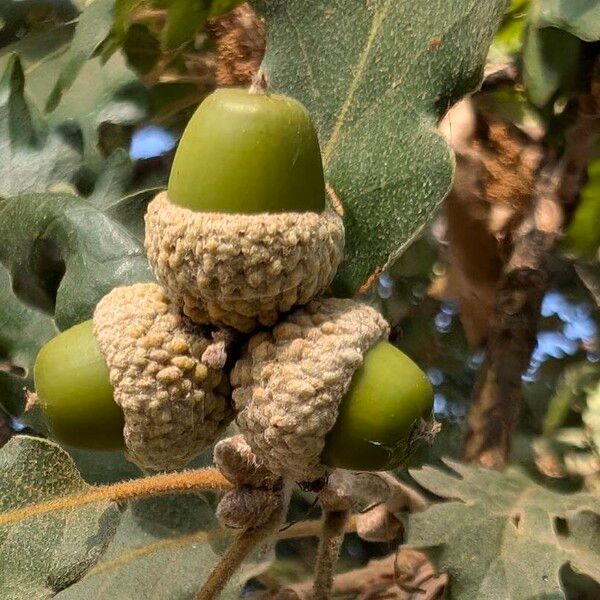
x: 241, y: 270
x: 236, y: 461
x: 258, y: 493
x: 289, y: 384
x: 174, y: 405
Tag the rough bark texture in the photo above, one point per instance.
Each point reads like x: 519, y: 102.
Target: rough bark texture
x: 525, y: 278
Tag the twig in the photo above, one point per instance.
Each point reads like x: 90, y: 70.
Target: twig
x: 237, y: 552
x: 231, y: 560
x: 199, y: 481
x: 332, y: 536
x: 302, y: 529
x: 525, y: 278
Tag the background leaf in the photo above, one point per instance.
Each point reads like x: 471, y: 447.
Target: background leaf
x: 41, y: 555
x: 65, y: 255
x: 165, y: 548
x: 102, y: 92
x: 551, y: 63
x: 15, y: 15
x: 93, y: 26
x: 579, y: 17
x: 33, y: 157
x: 583, y: 235
x: 23, y: 331
x: 503, y: 536
x: 376, y: 76
x: 591, y: 418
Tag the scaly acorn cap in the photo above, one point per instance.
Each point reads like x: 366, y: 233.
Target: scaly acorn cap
x: 174, y: 405
x: 241, y: 270
x: 288, y: 386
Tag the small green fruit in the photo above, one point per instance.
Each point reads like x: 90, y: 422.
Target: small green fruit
x: 73, y: 387
x: 387, y: 397
x: 248, y: 152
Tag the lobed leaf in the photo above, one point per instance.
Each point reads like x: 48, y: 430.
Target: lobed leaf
x: 102, y: 93
x: 23, y: 331
x: 33, y: 157
x: 41, y: 555
x: 65, y: 255
x: 93, y: 26
x: 579, y: 17
x: 164, y: 548
x: 501, y: 535
x: 377, y: 76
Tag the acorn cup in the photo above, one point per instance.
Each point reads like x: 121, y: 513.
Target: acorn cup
x: 324, y: 389
x: 134, y: 375
x: 244, y: 231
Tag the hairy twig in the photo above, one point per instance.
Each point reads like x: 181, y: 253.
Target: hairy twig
x: 232, y: 559
x: 237, y: 552
x: 332, y: 536
x: 525, y: 278
x: 187, y: 481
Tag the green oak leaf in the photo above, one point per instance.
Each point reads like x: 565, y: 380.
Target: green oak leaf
x: 583, y: 235
x: 164, y: 548
x: 113, y: 194
x: 23, y: 330
x: 93, y: 26
x: 33, y: 157
x: 186, y: 17
x: 64, y: 254
x: 14, y: 15
x: 570, y: 393
x: 102, y: 93
x: 503, y: 536
x: 579, y: 17
x: 41, y: 555
x: 551, y: 63
x: 509, y: 37
x: 377, y: 76
x: 591, y: 418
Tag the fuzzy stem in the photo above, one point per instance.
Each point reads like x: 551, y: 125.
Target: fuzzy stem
x: 332, y: 536
x: 199, y: 481
x: 260, y: 83
x: 235, y: 555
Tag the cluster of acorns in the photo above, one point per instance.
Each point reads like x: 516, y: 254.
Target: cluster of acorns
x: 244, y: 244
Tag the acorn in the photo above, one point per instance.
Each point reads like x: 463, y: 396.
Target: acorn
x: 134, y: 375
x: 325, y: 389
x: 244, y: 231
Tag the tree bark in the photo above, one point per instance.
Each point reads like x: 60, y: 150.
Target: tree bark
x: 525, y: 278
